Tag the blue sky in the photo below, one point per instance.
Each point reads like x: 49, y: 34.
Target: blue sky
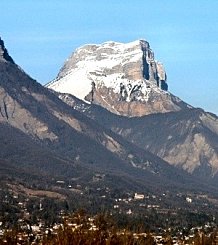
x: 41, y: 34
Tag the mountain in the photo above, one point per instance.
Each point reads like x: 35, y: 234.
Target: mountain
x: 187, y: 139
x: 44, y: 140
x: 123, y: 78
x: 126, y: 80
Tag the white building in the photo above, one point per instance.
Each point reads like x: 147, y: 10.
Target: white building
x: 139, y: 196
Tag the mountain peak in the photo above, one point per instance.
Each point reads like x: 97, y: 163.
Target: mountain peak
x: 134, y: 60
x: 4, y: 56
x: 124, y: 78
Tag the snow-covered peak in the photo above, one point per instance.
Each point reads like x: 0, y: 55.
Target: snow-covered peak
x: 112, y: 72
x: 113, y: 65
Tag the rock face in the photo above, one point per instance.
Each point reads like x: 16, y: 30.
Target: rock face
x: 123, y: 78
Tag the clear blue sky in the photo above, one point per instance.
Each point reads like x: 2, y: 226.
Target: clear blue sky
x: 183, y: 34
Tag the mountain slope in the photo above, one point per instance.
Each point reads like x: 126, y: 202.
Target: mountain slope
x: 187, y: 139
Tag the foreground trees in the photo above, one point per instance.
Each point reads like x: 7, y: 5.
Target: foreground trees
x: 82, y: 229
x: 100, y: 230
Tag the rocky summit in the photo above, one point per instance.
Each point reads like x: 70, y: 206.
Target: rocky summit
x: 123, y: 78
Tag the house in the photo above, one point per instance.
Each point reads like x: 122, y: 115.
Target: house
x: 139, y: 196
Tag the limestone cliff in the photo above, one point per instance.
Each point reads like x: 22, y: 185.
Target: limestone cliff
x: 123, y: 78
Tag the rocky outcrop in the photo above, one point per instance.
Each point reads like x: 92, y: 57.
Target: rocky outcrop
x: 124, y: 78
x: 4, y: 56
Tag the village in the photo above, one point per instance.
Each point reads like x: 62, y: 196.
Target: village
x: 34, y: 221
x: 78, y: 224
